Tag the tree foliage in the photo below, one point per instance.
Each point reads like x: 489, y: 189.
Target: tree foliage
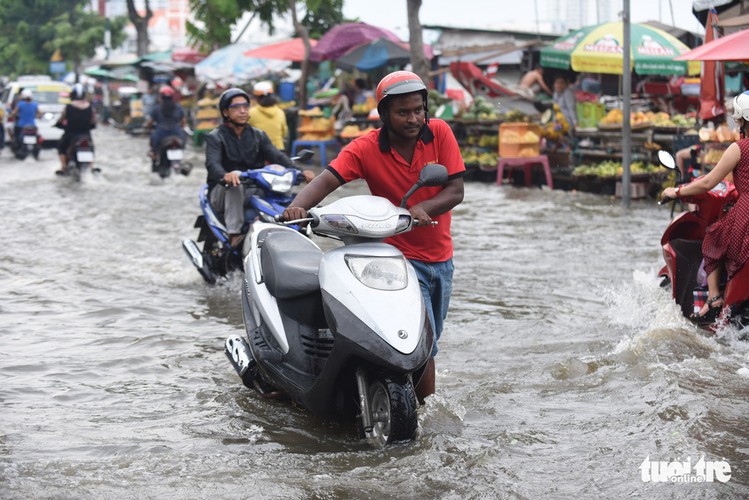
x: 217, y: 17
x: 322, y: 15
x: 77, y: 34
x: 30, y: 32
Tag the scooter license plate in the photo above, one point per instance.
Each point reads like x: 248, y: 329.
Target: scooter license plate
x: 84, y: 156
x: 29, y: 139
x: 174, y: 154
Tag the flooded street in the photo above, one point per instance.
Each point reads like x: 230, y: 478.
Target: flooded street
x: 563, y: 366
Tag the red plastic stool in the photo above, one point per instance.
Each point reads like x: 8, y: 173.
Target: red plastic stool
x: 527, y: 165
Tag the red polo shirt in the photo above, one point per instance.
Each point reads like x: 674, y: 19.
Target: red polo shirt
x: 388, y: 175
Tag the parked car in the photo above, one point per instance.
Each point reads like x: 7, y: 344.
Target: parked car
x: 52, y: 97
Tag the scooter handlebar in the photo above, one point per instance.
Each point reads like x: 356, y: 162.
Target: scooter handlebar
x: 279, y: 218
x: 431, y: 223
x: 665, y: 200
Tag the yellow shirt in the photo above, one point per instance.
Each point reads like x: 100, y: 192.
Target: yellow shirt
x: 272, y: 121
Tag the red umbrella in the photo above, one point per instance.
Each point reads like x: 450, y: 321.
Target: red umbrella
x: 285, y: 50
x: 341, y: 38
x: 734, y: 47
x: 712, y: 86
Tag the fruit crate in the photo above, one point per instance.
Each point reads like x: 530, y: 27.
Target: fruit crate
x: 519, y: 140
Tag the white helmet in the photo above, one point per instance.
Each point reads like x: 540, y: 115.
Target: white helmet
x: 262, y: 88
x: 26, y: 94
x: 741, y: 106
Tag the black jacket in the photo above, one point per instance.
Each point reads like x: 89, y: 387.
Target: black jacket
x: 225, y: 152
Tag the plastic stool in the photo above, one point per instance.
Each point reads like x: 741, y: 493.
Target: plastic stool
x: 527, y: 165
x: 311, y: 144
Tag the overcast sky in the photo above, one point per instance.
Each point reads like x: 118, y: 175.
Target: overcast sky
x: 507, y: 14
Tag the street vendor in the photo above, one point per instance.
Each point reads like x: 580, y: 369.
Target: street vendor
x: 564, y: 97
x: 688, y: 158
x: 532, y: 82
x: 341, y: 111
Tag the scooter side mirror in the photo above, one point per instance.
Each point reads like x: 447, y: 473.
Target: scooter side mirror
x: 305, y: 154
x: 431, y: 175
x: 665, y: 158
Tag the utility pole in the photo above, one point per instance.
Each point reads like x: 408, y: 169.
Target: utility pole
x: 626, y: 107
x: 671, y: 6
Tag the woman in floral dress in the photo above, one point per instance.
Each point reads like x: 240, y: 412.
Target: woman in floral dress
x: 726, y: 242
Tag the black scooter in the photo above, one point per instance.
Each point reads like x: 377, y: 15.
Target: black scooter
x: 26, y: 143
x: 80, y: 157
x: 170, y: 157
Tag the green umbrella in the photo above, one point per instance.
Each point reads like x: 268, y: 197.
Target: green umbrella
x: 598, y: 49
x: 157, y: 57
x: 99, y: 73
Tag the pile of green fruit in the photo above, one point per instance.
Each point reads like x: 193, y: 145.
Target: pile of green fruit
x: 515, y: 116
x: 612, y: 168
x: 480, y: 109
x: 484, y: 140
x: 436, y: 99
x: 473, y: 156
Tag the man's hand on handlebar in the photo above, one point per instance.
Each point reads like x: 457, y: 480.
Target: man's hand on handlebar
x: 421, y: 218
x: 294, y: 213
x: 232, y: 178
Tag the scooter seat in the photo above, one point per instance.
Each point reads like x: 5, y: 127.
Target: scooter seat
x: 291, y: 264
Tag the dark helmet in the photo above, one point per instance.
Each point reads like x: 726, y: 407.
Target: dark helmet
x: 399, y: 83
x: 227, y: 96
x: 78, y: 92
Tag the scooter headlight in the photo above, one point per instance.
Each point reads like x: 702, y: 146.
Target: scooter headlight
x: 381, y: 273
x: 339, y: 222
x: 404, y: 223
x: 279, y: 183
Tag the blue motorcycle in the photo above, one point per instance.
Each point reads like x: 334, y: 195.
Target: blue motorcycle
x: 269, y: 192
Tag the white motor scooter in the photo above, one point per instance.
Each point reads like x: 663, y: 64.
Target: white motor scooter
x: 342, y: 332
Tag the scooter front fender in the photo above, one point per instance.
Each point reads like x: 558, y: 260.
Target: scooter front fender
x: 355, y: 339
x: 396, y: 316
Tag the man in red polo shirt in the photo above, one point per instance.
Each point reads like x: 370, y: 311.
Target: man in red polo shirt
x: 389, y: 159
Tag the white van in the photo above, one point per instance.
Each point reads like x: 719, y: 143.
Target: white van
x: 52, y: 96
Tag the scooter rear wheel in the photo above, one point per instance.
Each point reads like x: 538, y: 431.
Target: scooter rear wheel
x: 393, y: 403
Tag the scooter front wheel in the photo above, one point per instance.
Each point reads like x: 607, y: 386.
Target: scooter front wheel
x: 393, y: 404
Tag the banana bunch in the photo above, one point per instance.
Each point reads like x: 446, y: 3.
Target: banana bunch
x: 612, y: 168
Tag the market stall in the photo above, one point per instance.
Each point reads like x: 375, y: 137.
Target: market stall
x: 598, y: 147
x: 315, y: 130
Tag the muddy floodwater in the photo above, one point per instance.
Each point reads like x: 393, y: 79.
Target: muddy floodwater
x: 564, y: 370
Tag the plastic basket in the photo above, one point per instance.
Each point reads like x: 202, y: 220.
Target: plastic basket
x: 519, y: 140
x: 589, y: 114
